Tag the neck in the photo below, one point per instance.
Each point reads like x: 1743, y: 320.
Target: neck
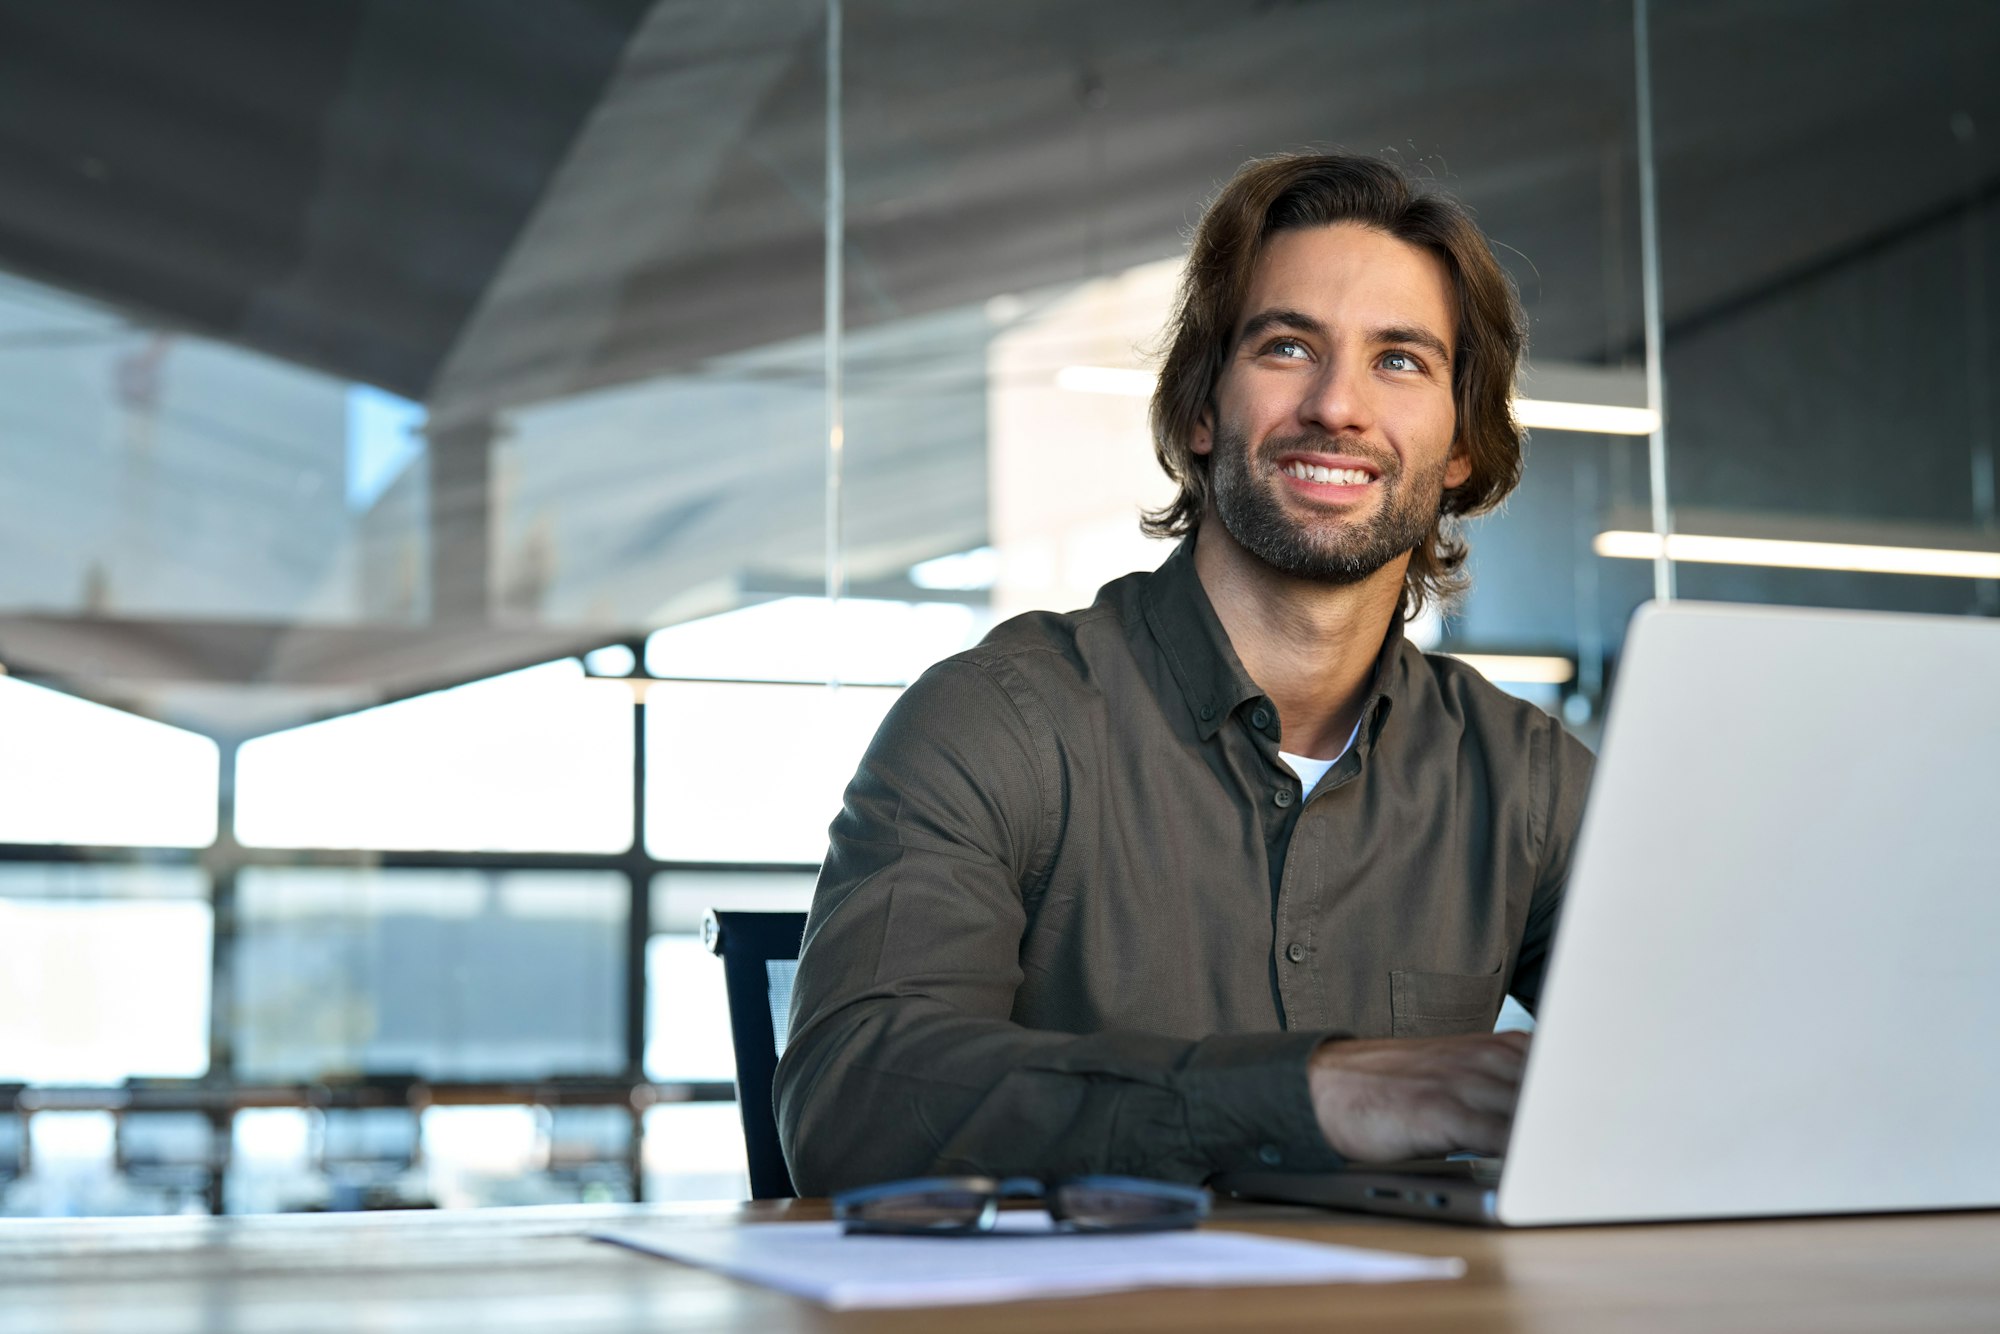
x: 1310, y: 646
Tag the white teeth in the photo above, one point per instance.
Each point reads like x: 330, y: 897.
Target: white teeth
x: 1307, y: 472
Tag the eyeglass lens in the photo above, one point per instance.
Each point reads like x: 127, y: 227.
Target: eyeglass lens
x: 941, y: 1210
x: 1087, y: 1206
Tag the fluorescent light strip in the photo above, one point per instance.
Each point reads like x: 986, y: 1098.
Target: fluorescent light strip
x: 1789, y: 555
x: 1594, y: 418
x: 1519, y: 669
x: 1535, y: 413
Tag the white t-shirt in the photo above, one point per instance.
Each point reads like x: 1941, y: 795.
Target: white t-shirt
x: 1311, y: 771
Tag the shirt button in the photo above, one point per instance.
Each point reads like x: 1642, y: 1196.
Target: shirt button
x: 1207, y: 712
x: 1260, y: 718
x: 1270, y: 1155
x: 1283, y: 796
x: 1295, y: 952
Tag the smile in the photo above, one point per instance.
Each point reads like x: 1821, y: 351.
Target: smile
x: 1307, y: 472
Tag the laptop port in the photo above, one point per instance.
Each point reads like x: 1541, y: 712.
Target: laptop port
x: 1439, y: 1201
x: 1384, y: 1193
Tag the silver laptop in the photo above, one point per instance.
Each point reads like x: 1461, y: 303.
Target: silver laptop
x: 1776, y: 987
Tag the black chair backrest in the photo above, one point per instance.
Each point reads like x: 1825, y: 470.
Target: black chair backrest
x: 760, y: 954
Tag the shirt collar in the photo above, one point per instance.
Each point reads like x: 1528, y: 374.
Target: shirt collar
x: 1383, y: 685
x: 1203, y: 661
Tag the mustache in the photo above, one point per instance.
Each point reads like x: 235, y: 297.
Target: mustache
x: 1388, y: 465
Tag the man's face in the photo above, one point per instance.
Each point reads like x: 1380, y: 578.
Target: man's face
x: 1332, y: 437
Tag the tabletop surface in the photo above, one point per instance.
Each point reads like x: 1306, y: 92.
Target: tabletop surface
x: 535, y: 1269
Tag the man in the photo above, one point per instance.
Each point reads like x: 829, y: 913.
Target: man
x: 1220, y: 872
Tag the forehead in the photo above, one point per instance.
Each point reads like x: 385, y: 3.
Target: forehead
x: 1350, y: 276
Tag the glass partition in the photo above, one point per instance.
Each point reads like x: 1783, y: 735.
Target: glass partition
x: 1830, y: 301
x: 178, y: 475
x: 1035, y: 263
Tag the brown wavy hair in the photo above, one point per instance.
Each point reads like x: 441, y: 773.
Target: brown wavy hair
x: 1277, y: 194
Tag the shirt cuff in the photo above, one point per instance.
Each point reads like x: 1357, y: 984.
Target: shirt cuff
x: 1249, y: 1103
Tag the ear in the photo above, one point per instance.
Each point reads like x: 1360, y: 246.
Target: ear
x: 1458, y: 466
x: 1201, y: 440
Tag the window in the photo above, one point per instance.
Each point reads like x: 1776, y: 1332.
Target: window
x: 687, y: 1021
x: 798, y: 639
x: 446, y: 974
x: 694, y: 1151
x: 538, y: 760
x: 104, y: 973
x: 78, y: 772
x: 475, y: 1156
x: 752, y: 773
x: 687, y: 1012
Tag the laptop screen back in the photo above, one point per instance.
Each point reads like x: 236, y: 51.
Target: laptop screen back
x: 1776, y: 988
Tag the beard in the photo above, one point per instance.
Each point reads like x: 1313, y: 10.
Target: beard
x: 1249, y: 500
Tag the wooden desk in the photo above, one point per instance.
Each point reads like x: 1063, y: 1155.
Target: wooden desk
x: 532, y: 1269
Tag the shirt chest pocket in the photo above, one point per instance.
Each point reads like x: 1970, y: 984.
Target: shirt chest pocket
x: 1432, y: 1005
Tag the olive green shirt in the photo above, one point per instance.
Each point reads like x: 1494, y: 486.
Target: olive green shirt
x: 1076, y: 917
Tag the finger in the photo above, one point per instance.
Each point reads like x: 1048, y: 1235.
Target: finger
x: 1483, y: 1056
x: 1492, y: 1134
x: 1478, y: 1132
x: 1487, y: 1096
x: 1504, y: 1060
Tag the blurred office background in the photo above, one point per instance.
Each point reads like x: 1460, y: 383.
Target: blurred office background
x: 414, y: 440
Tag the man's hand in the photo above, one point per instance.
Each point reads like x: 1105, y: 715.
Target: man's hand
x: 1380, y: 1101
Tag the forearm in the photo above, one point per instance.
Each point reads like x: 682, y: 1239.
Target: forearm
x: 904, y: 1086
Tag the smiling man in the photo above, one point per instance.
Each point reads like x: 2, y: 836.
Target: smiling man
x: 1220, y: 872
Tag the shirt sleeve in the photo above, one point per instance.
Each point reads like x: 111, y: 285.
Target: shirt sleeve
x: 1569, y: 767
x: 903, y: 1059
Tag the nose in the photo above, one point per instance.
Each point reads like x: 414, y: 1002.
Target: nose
x: 1339, y: 399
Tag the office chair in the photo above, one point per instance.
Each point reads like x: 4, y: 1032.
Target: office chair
x: 174, y: 1153
x: 760, y: 956
x: 164, y: 1145
x: 589, y: 1149
x: 369, y: 1140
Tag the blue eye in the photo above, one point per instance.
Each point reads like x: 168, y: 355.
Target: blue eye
x: 1409, y: 362
x: 1278, y: 348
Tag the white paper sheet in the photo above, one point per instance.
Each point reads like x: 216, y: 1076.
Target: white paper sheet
x: 816, y: 1260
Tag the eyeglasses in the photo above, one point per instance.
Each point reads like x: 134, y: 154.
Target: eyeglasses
x: 960, y: 1206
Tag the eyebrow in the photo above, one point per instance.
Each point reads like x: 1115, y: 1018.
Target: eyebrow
x: 1416, y: 336
x: 1264, y: 321
x: 1279, y: 318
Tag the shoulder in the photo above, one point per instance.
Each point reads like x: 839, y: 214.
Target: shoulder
x: 1000, y: 683
x: 1058, y: 649
x: 1036, y: 680
x: 1518, y: 749
x: 1446, y: 696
